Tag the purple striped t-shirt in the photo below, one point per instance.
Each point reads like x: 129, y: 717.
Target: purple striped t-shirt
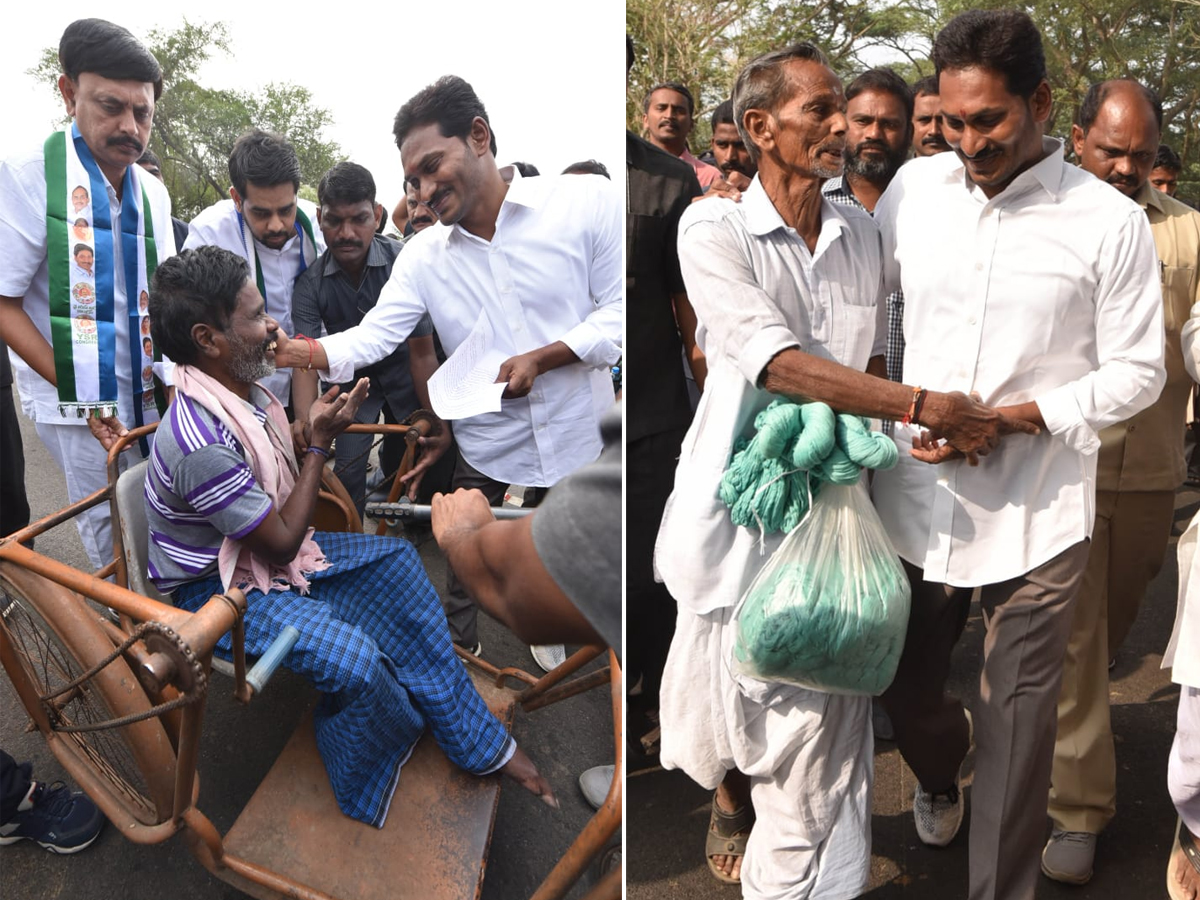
x: 199, y: 489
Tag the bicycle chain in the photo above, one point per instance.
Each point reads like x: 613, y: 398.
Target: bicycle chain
x: 199, y: 678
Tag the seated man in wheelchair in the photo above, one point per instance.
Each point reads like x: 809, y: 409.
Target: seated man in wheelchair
x: 228, y: 506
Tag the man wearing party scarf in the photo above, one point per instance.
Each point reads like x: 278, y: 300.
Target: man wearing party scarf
x: 228, y: 505
x: 266, y: 224
x: 74, y: 335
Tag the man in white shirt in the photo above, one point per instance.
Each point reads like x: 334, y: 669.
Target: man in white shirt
x: 537, y: 265
x: 76, y: 373
x: 268, y: 225
x: 1043, y: 300
x: 785, y: 286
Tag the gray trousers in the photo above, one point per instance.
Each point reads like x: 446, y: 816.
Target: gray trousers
x: 1028, y: 621
x: 461, y: 611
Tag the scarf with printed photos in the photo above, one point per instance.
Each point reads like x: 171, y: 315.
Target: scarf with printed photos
x: 83, y: 307
x: 308, y: 252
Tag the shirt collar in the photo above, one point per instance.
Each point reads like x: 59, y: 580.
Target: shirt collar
x: 762, y: 217
x: 1147, y: 196
x: 1046, y: 172
x: 375, y: 257
x: 521, y: 191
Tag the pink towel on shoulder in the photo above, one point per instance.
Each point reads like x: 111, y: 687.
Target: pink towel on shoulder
x: 269, y: 454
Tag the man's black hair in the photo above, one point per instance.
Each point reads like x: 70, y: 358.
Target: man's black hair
x: 1089, y: 109
x: 527, y: 170
x: 149, y: 156
x: 1166, y: 158
x: 723, y: 115
x: 628, y: 53
x: 78, y: 247
x: 670, y: 86
x: 451, y: 104
x: 926, y: 85
x: 347, y: 182
x: 107, y: 50
x: 194, y: 287
x: 883, y: 80
x: 1004, y: 41
x: 80, y: 221
x: 587, y: 167
x: 265, y: 159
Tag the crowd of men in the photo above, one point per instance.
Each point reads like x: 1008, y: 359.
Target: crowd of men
x: 254, y: 335
x: 926, y: 256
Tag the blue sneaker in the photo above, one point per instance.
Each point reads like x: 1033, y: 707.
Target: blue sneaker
x: 59, y: 819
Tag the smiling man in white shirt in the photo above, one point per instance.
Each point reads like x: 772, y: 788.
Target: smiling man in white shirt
x: 540, y: 258
x: 267, y: 224
x: 1043, y: 299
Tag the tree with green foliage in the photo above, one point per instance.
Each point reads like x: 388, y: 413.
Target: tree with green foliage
x: 195, y: 127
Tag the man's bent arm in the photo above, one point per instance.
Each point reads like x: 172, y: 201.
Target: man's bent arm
x: 18, y: 331
x: 422, y: 363
x: 686, y: 321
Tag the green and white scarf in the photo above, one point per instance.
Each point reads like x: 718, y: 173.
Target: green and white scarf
x: 82, y: 298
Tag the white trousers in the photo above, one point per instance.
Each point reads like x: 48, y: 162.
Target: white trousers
x: 809, y: 756
x: 1183, y: 766
x: 85, y: 464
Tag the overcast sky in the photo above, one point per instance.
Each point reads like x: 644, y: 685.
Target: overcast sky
x: 553, y: 83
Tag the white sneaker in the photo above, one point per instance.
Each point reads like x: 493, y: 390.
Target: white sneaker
x: 938, y: 816
x: 548, y: 656
x: 596, y: 783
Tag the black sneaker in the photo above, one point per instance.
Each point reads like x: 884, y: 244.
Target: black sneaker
x: 61, y: 820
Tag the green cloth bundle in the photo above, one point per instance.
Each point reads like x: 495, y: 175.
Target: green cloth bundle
x: 829, y: 610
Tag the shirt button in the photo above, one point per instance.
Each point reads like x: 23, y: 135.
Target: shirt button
x: 971, y: 321
x: 978, y: 267
x: 1132, y: 427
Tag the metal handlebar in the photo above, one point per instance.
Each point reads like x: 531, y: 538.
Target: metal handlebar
x: 421, y: 512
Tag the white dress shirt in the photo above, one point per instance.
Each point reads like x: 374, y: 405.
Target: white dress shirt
x: 24, y: 273
x: 219, y: 226
x: 757, y: 290
x: 1182, y: 656
x: 1048, y: 292
x: 552, y: 272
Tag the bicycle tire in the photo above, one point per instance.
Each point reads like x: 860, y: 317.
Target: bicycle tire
x: 56, y: 638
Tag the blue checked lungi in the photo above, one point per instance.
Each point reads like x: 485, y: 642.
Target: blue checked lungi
x: 374, y: 640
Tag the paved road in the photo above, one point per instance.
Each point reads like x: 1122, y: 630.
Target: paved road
x: 240, y: 743
x: 667, y: 814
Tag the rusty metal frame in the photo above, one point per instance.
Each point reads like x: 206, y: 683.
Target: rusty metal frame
x: 200, y: 631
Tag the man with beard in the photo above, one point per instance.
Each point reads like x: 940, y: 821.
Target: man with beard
x: 668, y: 118
x: 879, y: 112
x: 927, y: 137
x: 1139, y: 467
x: 266, y: 223
x: 730, y: 153
x: 786, y: 286
x: 89, y: 372
x: 1041, y: 300
x: 227, y: 504
x: 335, y: 294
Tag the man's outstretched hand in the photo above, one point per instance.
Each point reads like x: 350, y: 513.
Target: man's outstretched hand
x: 330, y: 414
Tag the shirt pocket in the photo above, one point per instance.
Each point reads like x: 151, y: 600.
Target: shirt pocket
x: 1177, y: 290
x: 858, y: 336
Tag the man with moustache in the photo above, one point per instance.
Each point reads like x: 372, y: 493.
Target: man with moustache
x: 267, y: 223
x: 536, y: 264
x: 1042, y: 300
x: 72, y: 373
x: 927, y: 137
x: 732, y: 157
x: 1164, y: 177
x: 668, y: 119
x: 420, y: 216
x: 879, y: 113
x: 1140, y: 465
x: 333, y: 295
x: 785, y: 284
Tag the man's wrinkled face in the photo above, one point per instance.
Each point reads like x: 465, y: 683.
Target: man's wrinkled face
x: 876, y: 135
x: 250, y: 338
x: 996, y: 134
x: 808, y: 130
x: 1121, y: 144
x: 668, y: 120
x: 730, y: 153
x: 113, y: 116
x: 269, y: 211
x: 349, y: 229
x: 443, y: 172
x: 927, y: 137
x: 1164, y: 180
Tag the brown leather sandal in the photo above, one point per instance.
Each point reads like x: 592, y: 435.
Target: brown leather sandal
x: 727, y: 836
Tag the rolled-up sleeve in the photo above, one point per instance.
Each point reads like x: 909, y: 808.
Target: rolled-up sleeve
x: 737, y: 314
x: 1130, y: 343
x: 597, y: 339
x: 385, y: 325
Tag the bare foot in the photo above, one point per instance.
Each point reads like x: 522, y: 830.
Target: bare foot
x: 522, y: 770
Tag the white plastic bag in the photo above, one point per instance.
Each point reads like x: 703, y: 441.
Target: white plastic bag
x: 829, y: 610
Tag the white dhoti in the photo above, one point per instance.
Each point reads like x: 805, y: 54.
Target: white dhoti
x: 809, y: 756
